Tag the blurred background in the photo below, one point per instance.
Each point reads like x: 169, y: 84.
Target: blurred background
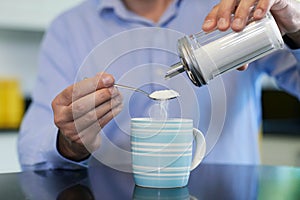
x: 22, y: 25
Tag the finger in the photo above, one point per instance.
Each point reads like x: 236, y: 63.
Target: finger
x: 69, y: 132
x: 66, y: 114
x: 242, y: 14
x: 225, y: 10
x: 97, y: 113
x: 97, y: 125
x: 261, y: 9
x: 91, y: 101
x: 82, y: 88
x: 242, y: 68
x: 62, y: 114
x: 91, y: 143
x: 74, y: 136
x: 89, y: 137
x: 110, y: 115
x: 210, y: 21
x: 90, y: 85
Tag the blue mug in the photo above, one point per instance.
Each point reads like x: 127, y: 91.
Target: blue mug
x: 162, y: 151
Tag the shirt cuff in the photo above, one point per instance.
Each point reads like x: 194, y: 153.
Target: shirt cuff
x: 289, y: 42
x: 57, y: 161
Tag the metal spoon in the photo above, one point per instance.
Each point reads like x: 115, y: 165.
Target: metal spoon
x: 156, y: 95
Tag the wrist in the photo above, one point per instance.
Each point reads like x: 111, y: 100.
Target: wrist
x: 70, y: 150
x: 292, y: 40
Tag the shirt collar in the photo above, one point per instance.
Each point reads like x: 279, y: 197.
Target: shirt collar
x: 108, y: 4
x: 118, y: 8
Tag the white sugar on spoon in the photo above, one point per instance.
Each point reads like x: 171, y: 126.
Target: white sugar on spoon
x: 156, y: 95
x: 164, y: 94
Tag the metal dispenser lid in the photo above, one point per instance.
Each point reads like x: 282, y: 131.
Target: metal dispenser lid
x: 187, y: 64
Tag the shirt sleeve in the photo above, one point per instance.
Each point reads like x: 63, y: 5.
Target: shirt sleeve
x: 38, y: 133
x: 284, y: 66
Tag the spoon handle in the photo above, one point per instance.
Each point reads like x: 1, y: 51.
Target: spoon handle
x: 132, y: 88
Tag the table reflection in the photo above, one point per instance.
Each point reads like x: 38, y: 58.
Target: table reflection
x: 208, y: 181
x: 37, y: 185
x: 76, y: 192
x: 141, y: 193
x: 110, y: 183
x: 224, y: 182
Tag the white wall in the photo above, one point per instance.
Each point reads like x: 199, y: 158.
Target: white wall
x: 8, y: 153
x: 18, y: 56
x: 281, y: 150
x: 31, y: 14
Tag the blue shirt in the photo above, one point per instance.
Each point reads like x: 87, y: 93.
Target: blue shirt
x: 104, y: 36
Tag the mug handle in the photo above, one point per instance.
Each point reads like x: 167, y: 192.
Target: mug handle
x: 200, y: 148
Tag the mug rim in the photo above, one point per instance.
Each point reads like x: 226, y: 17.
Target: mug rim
x: 171, y: 120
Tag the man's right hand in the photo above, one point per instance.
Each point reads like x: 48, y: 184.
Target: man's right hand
x: 81, y: 110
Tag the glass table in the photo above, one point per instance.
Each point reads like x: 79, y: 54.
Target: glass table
x: 208, y: 181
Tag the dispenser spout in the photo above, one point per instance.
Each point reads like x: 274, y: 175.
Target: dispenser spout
x: 175, y: 70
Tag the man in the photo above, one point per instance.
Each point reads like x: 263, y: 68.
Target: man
x: 82, y: 110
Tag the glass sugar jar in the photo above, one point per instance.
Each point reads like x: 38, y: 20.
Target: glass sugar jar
x: 204, y: 56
